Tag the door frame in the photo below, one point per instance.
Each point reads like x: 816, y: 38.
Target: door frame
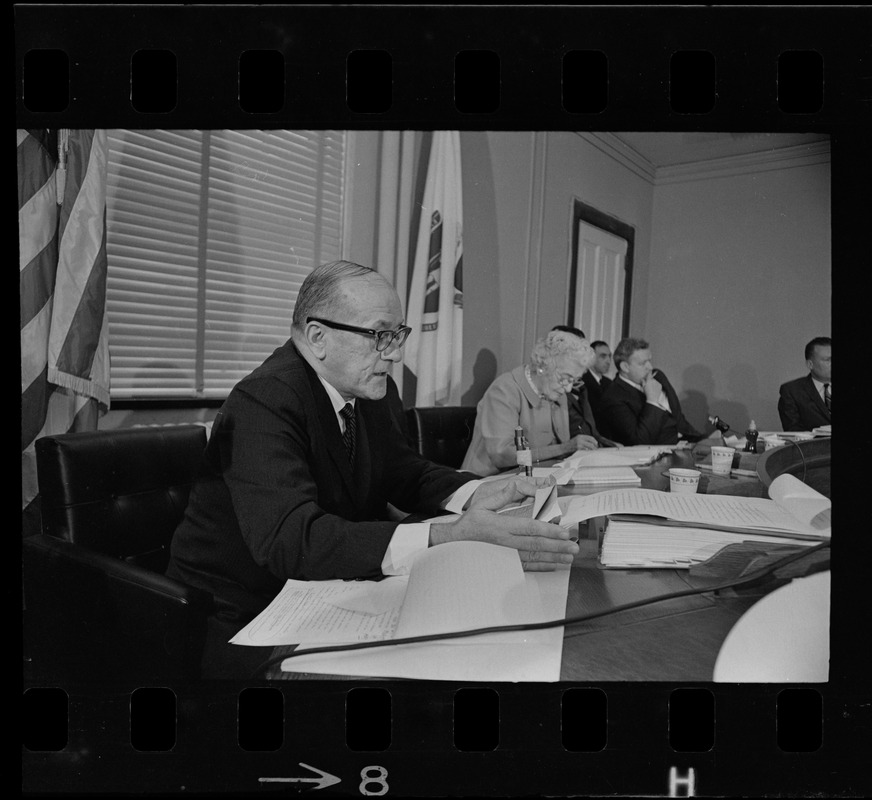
x: 582, y: 212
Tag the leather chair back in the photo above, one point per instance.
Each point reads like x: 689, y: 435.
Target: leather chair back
x: 120, y: 492
x: 442, y: 433
x: 97, y: 605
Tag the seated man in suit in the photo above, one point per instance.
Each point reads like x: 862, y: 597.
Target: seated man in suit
x: 304, y: 458
x: 597, y: 377
x: 640, y: 406
x: 804, y: 403
x: 580, y: 398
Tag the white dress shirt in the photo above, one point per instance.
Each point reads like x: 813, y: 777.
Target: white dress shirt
x: 411, y: 538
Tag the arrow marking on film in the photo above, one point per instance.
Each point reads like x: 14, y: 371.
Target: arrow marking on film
x: 325, y: 778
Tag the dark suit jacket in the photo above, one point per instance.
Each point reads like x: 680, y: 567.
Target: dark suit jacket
x: 581, y: 418
x: 627, y: 417
x: 595, y: 391
x: 800, y: 406
x: 276, y: 497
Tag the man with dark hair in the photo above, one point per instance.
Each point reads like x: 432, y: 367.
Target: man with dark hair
x: 805, y: 403
x: 582, y: 417
x: 640, y: 406
x: 304, y: 459
x: 597, y: 379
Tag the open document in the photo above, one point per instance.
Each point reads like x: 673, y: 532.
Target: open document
x: 452, y: 587
x: 795, y: 510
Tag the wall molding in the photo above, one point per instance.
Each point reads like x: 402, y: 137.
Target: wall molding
x: 729, y: 166
x: 620, y: 151
x: 782, y: 158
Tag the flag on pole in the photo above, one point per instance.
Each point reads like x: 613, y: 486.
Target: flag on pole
x: 62, y: 287
x: 435, y: 308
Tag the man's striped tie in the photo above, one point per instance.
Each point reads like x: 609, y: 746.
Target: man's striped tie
x: 347, y: 413
x: 827, y: 396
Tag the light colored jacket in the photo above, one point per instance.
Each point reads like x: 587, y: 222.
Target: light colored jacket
x: 510, y: 401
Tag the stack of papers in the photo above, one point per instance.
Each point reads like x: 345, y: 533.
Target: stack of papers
x: 627, y: 543
x: 822, y: 430
x: 647, y: 528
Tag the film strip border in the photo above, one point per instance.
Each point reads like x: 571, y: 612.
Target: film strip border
x: 557, y: 740
x: 715, y: 68
x: 483, y: 68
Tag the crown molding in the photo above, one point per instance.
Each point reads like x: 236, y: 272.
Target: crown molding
x: 802, y: 155
x: 620, y: 151
x: 782, y: 158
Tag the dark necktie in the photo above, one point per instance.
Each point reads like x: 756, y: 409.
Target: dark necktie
x: 347, y: 413
x: 827, y: 397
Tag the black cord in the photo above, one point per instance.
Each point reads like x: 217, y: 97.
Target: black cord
x: 802, y: 456
x: 533, y: 626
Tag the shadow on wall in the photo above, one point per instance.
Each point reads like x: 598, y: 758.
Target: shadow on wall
x: 483, y: 373
x: 698, y: 399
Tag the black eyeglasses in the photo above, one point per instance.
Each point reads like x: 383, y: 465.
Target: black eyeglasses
x: 383, y: 339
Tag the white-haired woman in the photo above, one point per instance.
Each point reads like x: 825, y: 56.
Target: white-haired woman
x: 532, y: 396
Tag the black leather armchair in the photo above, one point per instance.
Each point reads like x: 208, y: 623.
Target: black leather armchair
x: 442, y: 433
x: 97, y: 606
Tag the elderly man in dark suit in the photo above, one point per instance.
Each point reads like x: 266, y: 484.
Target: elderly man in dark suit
x: 805, y: 403
x: 640, y: 406
x: 304, y: 458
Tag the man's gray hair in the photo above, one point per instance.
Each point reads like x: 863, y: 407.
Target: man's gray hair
x: 626, y: 347
x: 561, y: 343
x: 321, y: 293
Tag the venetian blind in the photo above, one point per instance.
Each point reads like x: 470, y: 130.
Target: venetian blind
x: 209, y: 236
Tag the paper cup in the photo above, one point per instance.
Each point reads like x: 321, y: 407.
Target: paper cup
x: 722, y: 460
x: 683, y: 481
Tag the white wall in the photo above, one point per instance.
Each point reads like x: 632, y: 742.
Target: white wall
x: 740, y: 279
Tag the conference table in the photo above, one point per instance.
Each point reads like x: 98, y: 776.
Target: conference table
x: 672, y: 640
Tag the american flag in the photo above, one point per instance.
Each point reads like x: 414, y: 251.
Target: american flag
x: 62, y: 288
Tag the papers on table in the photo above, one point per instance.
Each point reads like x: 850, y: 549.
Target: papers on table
x: 588, y: 476
x: 678, y: 531
x: 822, y: 430
x: 627, y: 543
x: 453, y: 587
x: 635, y: 456
x: 519, y: 656
x: 795, y: 508
x: 328, y: 611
